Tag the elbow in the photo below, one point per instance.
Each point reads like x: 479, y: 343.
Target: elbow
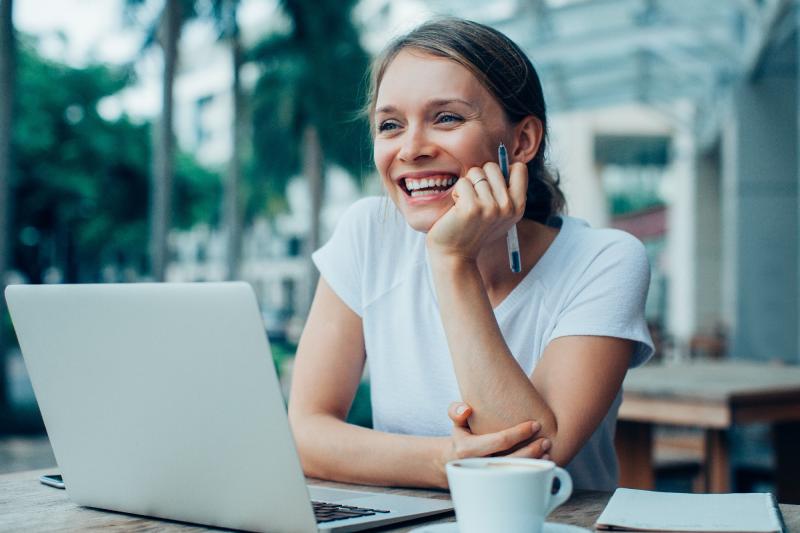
x: 563, y: 449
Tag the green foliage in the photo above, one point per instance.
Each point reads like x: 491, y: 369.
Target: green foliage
x: 361, y: 411
x: 313, y: 73
x: 80, y: 188
x: 624, y: 204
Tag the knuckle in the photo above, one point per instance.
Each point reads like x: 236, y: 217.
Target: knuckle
x: 491, y: 211
x: 475, y: 172
x: 505, y: 207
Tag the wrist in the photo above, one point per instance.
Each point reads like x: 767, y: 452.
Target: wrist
x: 450, y: 263
x: 440, y: 456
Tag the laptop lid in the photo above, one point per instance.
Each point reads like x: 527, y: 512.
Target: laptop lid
x: 162, y: 400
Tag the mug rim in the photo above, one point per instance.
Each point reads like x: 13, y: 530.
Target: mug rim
x: 545, y: 464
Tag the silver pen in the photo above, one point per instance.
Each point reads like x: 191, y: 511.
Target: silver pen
x: 512, y: 241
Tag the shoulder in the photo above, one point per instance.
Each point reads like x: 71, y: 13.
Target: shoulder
x: 603, y: 245
x: 375, y: 228
x: 583, y: 255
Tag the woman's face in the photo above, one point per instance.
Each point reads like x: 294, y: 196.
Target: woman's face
x: 433, y: 121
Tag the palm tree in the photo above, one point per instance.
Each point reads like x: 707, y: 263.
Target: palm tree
x: 306, y: 99
x: 223, y: 13
x: 7, y: 95
x: 164, y: 146
x: 166, y: 32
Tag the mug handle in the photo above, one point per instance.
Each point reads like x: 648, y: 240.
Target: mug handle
x: 564, y: 491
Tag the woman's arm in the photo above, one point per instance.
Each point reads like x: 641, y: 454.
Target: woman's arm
x: 576, y: 379
x: 570, y: 390
x: 327, y: 370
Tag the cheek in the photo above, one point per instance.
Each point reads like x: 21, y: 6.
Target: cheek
x: 381, y: 156
x: 471, y: 147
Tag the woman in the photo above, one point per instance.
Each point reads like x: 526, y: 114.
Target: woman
x: 531, y: 363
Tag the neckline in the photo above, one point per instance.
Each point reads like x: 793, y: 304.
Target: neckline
x: 534, y: 273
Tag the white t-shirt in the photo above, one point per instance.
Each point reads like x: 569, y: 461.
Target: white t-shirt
x: 588, y: 282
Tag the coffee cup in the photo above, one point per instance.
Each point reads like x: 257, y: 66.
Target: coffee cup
x: 513, y: 495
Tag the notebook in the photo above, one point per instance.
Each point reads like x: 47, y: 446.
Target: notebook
x: 642, y: 510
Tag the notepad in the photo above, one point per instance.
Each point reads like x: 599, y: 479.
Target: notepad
x: 642, y: 510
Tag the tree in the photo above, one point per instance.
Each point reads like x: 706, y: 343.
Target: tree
x: 82, y: 197
x: 223, y: 13
x: 166, y: 32
x: 306, y: 101
x: 7, y: 99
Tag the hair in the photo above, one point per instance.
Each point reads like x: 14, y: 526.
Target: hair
x: 506, y: 72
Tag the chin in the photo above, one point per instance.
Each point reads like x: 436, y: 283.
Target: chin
x: 422, y: 212
x: 422, y: 219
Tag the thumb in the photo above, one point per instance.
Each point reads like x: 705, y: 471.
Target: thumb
x: 459, y: 413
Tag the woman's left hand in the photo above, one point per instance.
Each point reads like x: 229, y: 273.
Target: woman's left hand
x: 534, y: 448
x: 485, y: 209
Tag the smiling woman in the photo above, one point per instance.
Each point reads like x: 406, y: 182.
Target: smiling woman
x: 467, y: 358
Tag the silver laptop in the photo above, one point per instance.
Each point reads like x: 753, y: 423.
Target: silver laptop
x: 162, y: 400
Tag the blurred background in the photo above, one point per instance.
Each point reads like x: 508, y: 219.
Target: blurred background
x: 200, y: 140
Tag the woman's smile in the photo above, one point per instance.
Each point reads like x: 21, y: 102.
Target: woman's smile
x: 428, y: 135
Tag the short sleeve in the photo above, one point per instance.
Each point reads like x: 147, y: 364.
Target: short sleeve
x: 609, y: 298
x: 340, y: 260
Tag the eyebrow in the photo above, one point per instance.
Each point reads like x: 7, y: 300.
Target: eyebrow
x: 439, y: 102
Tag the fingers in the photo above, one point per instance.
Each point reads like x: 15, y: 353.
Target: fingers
x: 464, y: 195
x: 500, y: 441
x: 518, y: 186
x: 496, y: 197
x: 535, y: 450
x: 483, y: 188
x: 499, y: 188
x: 459, y: 413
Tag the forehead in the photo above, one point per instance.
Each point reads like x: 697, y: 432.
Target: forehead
x: 414, y: 77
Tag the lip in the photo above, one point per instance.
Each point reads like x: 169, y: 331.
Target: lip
x: 424, y: 174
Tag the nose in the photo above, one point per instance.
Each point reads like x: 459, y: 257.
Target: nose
x: 415, y: 145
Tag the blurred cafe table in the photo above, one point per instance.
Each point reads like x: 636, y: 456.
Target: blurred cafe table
x: 712, y: 396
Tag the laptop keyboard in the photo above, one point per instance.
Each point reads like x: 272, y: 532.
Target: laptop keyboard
x: 327, y: 512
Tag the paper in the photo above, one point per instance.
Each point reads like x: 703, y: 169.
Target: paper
x: 642, y: 510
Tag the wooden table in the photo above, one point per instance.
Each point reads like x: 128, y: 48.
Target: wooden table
x: 712, y: 396
x: 27, y: 505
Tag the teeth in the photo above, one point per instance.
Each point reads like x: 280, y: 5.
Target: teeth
x: 426, y: 183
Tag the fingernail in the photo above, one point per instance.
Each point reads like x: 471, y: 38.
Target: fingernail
x: 536, y: 426
x: 545, y: 445
x: 460, y: 409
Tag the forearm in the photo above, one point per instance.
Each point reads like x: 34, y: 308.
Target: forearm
x: 381, y: 458
x: 489, y: 378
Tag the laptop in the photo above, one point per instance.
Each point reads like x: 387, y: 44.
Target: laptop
x: 162, y: 400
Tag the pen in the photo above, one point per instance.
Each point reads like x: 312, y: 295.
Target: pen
x: 511, y: 238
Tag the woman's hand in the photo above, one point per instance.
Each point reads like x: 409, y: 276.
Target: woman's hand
x: 516, y: 441
x: 485, y: 209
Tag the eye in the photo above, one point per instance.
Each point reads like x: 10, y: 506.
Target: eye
x: 387, y: 125
x: 448, y: 118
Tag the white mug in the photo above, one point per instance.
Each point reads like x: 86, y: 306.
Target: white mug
x: 508, y: 494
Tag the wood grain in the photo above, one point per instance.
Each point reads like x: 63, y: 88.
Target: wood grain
x: 714, y: 396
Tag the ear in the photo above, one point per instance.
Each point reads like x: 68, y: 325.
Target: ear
x: 527, y: 137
